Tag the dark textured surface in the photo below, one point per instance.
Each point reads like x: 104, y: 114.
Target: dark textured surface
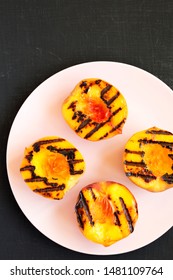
x: 40, y: 38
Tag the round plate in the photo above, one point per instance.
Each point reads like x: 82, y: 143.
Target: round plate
x: 149, y: 104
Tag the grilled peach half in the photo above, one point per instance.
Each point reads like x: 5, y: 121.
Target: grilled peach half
x: 148, y: 159
x: 95, y: 110
x: 51, y: 166
x: 106, y: 212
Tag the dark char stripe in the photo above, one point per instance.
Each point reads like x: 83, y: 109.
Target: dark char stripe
x: 99, y: 125
x: 168, y: 178
x: 83, y: 202
x: 29, y: 156
x: 75, y: 172
x: 76, y: 161
x: 72, y: 105
x: 147, y: 177
x: 28, y: 167
x: 104, y: 136
x: 36, y: 179
x: 97, y: 82
x: 83, y: 124
x: 141, y: 153
x: 171, y: 156
x: 51, y: 189
x: 92, y: 193
x: 117, y: 220
x: 95, y: 129
x: 79, y: 217
x: 40, y: 179
x: 67, y: 152
x: 135, y: 163
x: 118, y: 125
x: 80, y: 206
x: 70, y: 154
x: 104, y: 90
x: 113, y: 129
x: 159, y: 132
x: 108, y: 102
x: 165, y: 144
x: 36, y: 146
x: 83, y: 84
x: 127, y: 214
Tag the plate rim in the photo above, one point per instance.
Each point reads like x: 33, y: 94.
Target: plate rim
x: 34, y: 92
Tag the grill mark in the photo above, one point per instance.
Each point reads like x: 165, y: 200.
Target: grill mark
x: 97, y: 82
x: 28, y: 167
x: 171, y: 156
x: 74, y: 172
x: 117, y: 220
x: 76, y: 161
x: 159, y: 132
x: 92, y: 193
x: 168, y: 178
x: 79, y: 116
x: 36, y: 146
x: 168, y: 145
x: 40, y: 179
x: 70, y: 154
x: 71, y: 163
x: 147, y: 177
x: 127, y: 214
x: 79, y: 218
x: 84, y: 204
x: 104, y: 90
x: 83, y: 124
x: 115, y: 112
x: 86, y: 89
x: 105, y: 135
x: 74, y: 116
x: 29, y: 156
x: 34, y: 178
x: 99, y: 125
x: 72, y: 105
x: 118, y: 125
x: 113, y: 129
x: 83, y: 84
x: 135, y: 163
x: 112, y: 98
x: 52, y: 189
x: 141, y: 153
x: 79, y: 214
x: 95, y: 129
x: 67, y: 152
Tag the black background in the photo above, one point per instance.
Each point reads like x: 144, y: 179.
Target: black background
x: 40, y: 38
